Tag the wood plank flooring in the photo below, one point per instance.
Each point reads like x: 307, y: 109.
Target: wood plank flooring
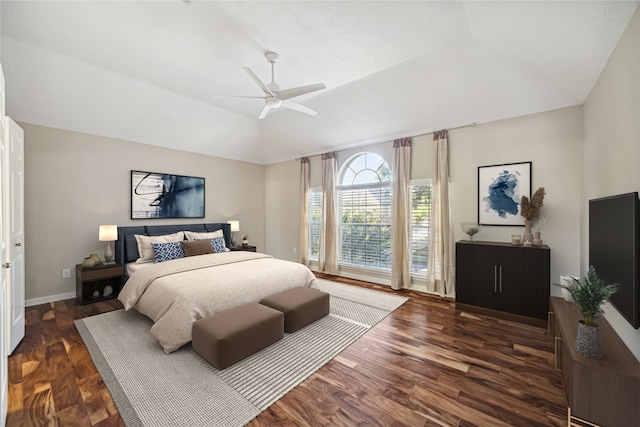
x: 425, y: 365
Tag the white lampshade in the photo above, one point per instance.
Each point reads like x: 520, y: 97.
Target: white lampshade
x: 108, y: 233
x: 235, y: 225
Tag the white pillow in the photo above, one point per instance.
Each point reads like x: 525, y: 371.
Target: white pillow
x: 147, y: 254
x: 192, y: 235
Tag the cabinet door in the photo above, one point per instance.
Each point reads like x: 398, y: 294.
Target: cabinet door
x: 464, y: 273
x: 536, y: 282
x: 486, y: 270
x: 511, y: 280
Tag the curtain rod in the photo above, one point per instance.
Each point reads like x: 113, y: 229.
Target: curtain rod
x: 470, y: 125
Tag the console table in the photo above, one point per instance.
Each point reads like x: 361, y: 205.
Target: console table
x: 602, y: 392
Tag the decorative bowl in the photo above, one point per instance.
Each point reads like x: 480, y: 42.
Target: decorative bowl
x: 470, y: 228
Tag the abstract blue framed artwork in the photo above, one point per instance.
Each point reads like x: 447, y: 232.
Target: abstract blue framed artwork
x: 499, y: 190
x: 161, y: 195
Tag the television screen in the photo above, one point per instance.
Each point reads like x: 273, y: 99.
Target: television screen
x: 613, y: 249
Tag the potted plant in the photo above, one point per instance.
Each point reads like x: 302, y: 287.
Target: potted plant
x: 588, y: 295
x: 245, y: 240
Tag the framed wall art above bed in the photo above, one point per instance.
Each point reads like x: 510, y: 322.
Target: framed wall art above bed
x: 161, y: 195
x: 500, y: 188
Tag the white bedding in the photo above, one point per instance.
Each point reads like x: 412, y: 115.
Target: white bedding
x: 132, y: 267
x: 174, y: 294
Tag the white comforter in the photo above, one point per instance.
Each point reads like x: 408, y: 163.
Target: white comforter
x: 174, y: 294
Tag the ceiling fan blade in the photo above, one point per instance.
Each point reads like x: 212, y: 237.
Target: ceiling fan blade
x: 298, y: 107
x: 256, y: 79
x: 264, y: 112
x: 301, y: 90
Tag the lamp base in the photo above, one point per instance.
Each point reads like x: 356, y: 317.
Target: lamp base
x: 108, y: 254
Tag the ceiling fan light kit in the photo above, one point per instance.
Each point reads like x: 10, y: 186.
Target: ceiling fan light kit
x: 276, y: 98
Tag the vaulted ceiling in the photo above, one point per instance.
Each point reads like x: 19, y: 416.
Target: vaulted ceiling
x: 149, y: 71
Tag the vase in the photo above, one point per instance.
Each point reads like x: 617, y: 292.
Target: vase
x: 88, y: 263
x: 96, y: 259
x: 245, y: 242
x: 537, y: 241
x: 528, y: 235
x: 588, y: 341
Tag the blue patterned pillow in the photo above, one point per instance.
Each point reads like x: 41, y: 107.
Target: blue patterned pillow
x: 168, y: 251
x: 217, y: 244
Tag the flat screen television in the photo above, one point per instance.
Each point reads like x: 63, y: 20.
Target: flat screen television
x: 614, y: 236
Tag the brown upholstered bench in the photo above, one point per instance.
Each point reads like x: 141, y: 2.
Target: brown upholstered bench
x: 232, y: 335
x: 301, y: 306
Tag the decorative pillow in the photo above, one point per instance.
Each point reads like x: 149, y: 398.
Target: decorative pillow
x: 147, y: 254
x: 217, y: 244
x: 197, y: 247
x: 192, y: 235
x: 167, y: 251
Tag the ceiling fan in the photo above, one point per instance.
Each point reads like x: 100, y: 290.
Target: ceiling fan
x: 276, y: 98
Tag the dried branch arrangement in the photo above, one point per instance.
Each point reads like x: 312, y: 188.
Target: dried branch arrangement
x: 530, y: 209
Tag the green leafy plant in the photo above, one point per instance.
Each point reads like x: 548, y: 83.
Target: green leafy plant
x: 589, y: 293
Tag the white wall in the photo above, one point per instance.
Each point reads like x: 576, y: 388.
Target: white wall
x: 74, y: 182
x: 612, y: 146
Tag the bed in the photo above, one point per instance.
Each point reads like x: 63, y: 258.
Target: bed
x: 176, y: 293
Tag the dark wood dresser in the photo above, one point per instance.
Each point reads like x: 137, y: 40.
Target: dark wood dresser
x: 503, y: 280
x: 602, y: 392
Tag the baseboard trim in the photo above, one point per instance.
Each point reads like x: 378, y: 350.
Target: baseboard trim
x: 50, y: 298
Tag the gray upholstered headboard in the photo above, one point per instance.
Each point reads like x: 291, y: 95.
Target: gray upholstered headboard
x: 127, y: 248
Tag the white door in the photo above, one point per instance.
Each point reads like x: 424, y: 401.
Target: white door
x: 4, y: 317
x: 14, y: 216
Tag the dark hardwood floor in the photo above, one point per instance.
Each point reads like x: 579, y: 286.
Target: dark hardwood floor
x: 424, y: 365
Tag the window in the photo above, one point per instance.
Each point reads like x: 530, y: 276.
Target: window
x: 420, y: 226
x: 364, y: 203
x: 314, y: 210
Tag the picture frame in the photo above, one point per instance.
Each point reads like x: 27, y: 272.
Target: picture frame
x: 160, y: 195
x: 500, y: 188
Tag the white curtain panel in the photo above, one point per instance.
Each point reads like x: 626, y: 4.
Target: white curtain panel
x: 401, y: 214
x: 328, y: 256
x: 303, y: 236
x: 440, y: 276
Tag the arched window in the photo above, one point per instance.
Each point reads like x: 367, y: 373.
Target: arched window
x: 364, y: 203
x: 364, y: 194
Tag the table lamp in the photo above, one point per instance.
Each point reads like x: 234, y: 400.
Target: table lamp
x: 108, y: 233
x: 235, y: 227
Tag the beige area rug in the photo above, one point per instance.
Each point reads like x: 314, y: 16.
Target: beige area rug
x: 151, y: 388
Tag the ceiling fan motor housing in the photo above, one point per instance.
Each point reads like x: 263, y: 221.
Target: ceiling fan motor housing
x: 274, y: 102
x: 272, y: 57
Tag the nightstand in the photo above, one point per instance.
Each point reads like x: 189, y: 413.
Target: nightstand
x: 247, y: 248
x: 96, y: 279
